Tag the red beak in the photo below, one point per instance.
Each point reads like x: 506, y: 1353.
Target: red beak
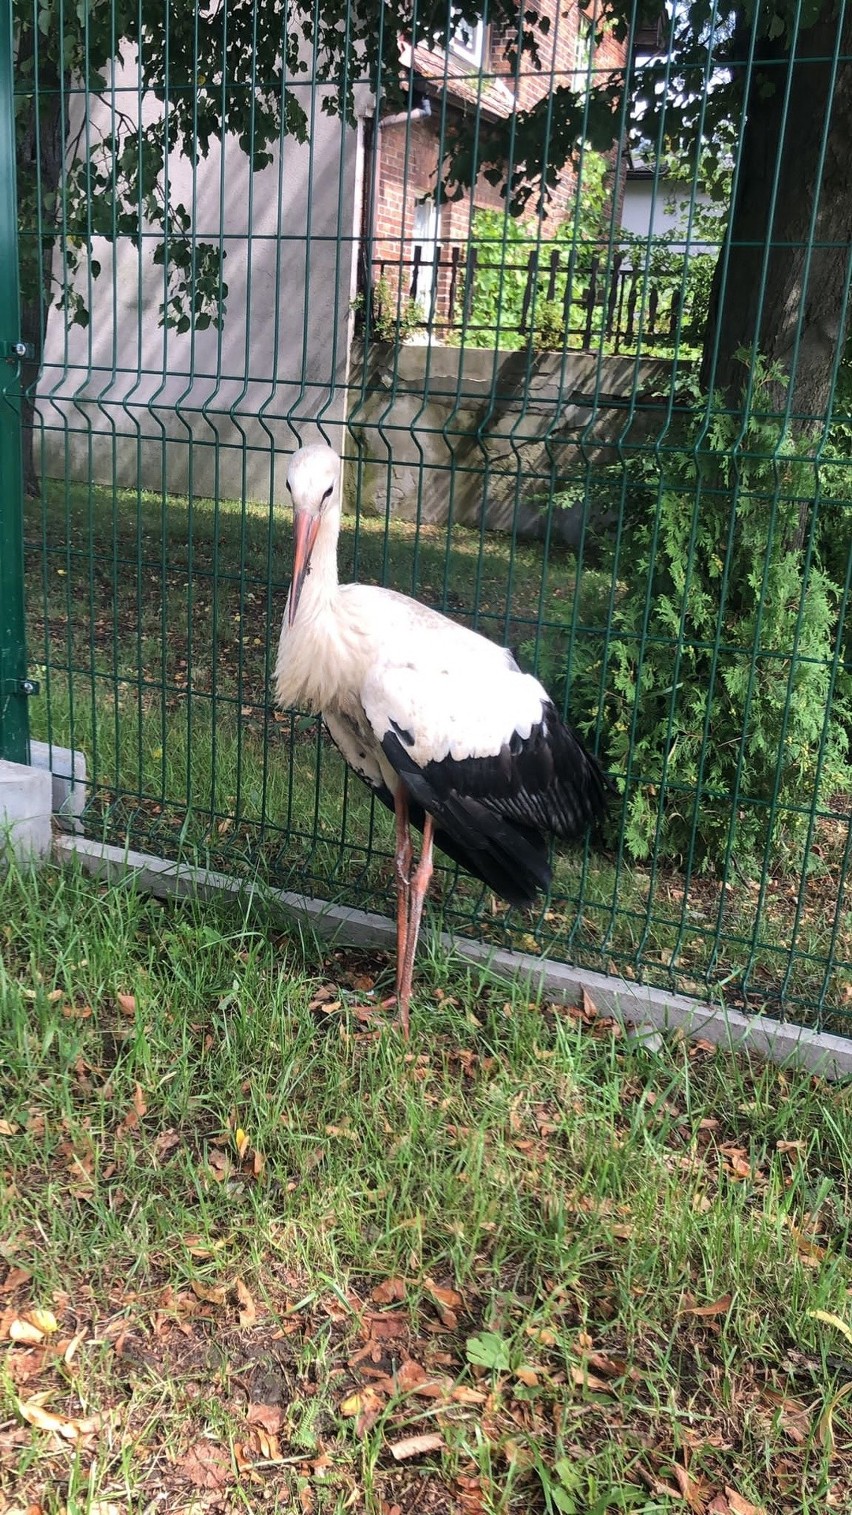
x: 305, y: 528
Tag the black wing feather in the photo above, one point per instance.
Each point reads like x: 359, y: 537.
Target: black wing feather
x: 494, y: 814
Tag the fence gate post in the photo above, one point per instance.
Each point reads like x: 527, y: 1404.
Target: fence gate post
x: 14, y: 686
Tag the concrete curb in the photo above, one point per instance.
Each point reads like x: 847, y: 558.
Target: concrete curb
x: 649, y: 1009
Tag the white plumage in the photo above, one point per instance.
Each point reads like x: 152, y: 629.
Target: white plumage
x: 440, y: 722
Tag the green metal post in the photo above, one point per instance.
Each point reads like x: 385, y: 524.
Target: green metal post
x: 14, y: 726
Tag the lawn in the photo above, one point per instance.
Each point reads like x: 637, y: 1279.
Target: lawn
x: 154, y: 624
x: 259, y: 1254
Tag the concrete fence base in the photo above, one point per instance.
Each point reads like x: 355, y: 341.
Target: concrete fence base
x: 645, y: 1011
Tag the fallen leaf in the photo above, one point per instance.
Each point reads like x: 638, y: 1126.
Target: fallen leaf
x: 832, y: 1320
x: 825, y: 1429
x: 740, y: 1506
x: 412, y: 1377
x: 446, y: 1301
x: 8, y: 1128
x: 270, y: 1417
x: 206, y: 1466
x: 388, y: 1325
x: 69, y: 1427
x: 353, y: 1404
x: 527, y: 1376
x: 706, y: 1312
x: 24, y: 1332
x: 14, y: 1278
x: 104, y: 1507
x: 219, y: 1164
x: 415, y: 1446
x: 586, y: 1380
x: 126, y: 1003
x: 210, y: 1294
x: 77, y: 1012
x: 589, y: 1007
x: 365, y: 1407
x: 44, y: 1321
x: 248, y: 1308
x: 69, y: 1352
x: 690, y: 1489
x: 386, y: 1293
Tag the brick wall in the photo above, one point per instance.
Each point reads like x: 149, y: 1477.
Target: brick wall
x: 407, y: 164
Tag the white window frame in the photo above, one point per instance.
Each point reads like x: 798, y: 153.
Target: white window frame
x: 584, y: 53
x: 474, y: 50
x: 427, y: 240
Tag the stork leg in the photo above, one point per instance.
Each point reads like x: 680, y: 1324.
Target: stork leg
x: 418, y: 886
x: 403, y: 861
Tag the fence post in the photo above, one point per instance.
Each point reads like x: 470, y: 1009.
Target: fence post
x: 14, y: 725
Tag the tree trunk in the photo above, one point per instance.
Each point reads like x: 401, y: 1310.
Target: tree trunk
x: 806, y: 268
x: 41, y: 154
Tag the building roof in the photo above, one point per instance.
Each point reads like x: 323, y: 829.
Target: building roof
x: 465, y: 85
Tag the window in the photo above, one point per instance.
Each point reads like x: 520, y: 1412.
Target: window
x: 584, y: 53
x: 467, y: 40
x: 425, y: 236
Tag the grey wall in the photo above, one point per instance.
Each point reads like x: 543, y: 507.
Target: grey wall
x: 484, y: 437
x: 127, y: 400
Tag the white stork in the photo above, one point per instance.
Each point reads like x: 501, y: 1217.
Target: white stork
x: 440, y: 722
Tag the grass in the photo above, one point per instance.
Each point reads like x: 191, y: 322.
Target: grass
x: 277, y: 1241
x: 155, y: 624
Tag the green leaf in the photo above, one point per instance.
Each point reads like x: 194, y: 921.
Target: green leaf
x: 488, y: 1350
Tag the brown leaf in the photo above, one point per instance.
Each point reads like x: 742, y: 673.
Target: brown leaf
x: 705, y: 1312
x: 611, y: 1367
x: 69, y: 1427
x: 211, y: 1294
x: 386, y: 1293
x: 219, y: 1164
x: 413, y: 1378
x: 353, y: 1404
x: 8, y: 1128
x: 446, y: 1302
x: 270, y: 1417
x: 248, y: 1308
x: 527, y: 1376
x: 385, y: 1327
x: 741, y: 1506
x: 206, y: 1466
x: 14, y: 1278
x: 365, y: 1406
x: 126, y: 1003
x: 690, y: 1489
x: 136, y: 1111
x: 586, y: 1380
x: 415, y: 1446
x: 77, y: 1012
x: 463, y: 1395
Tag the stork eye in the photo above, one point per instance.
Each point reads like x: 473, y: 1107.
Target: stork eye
x: 327, y: 495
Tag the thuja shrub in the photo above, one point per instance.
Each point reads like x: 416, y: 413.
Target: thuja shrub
x: 715, y: 692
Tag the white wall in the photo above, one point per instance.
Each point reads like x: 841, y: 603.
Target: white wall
x: 648, y: 209
x: 126, y: 399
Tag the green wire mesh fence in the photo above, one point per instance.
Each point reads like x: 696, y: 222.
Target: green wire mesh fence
x: 569, y: 290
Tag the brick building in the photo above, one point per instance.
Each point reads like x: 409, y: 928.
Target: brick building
x: 413, y: 240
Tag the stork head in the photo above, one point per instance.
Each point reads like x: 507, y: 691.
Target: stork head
x: 313, y: 480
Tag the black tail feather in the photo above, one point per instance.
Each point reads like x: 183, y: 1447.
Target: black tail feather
x: 512, y: 860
